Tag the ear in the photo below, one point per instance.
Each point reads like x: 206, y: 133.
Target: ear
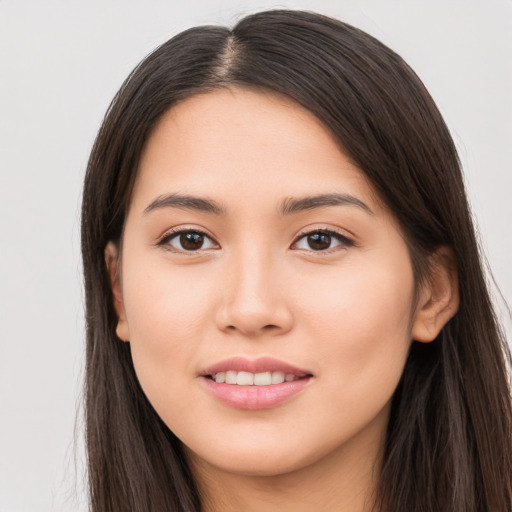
x: 439, y: 297
x: 113, y: 268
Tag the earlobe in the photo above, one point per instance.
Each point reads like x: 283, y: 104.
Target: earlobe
x: 439, y: 297
x: 113, y: 269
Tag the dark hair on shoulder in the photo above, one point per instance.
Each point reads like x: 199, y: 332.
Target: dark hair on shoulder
x: 449, y: 442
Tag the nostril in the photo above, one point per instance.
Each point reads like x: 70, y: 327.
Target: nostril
x: 250, y: 330
x: 255, y: 320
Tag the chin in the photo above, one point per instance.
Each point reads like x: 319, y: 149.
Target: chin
x: 257, y: 458
x: 259, y: 465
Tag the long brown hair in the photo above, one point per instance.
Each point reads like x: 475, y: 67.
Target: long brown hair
x: 449, y: 443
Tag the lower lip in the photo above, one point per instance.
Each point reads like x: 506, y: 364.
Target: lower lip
x: 255, y: 397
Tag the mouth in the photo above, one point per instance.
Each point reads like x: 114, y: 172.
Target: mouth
x: 254, y: 384
x: 254, y: 379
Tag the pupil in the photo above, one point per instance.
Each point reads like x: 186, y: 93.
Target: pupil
x: 191, y: 241
x: 319, y: 241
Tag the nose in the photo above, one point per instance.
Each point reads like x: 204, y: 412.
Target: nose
x: 254, y: 299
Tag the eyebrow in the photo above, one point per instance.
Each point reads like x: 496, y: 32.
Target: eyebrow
x: 292, y: 205
x: 186, y: 202
x: 289, y: 205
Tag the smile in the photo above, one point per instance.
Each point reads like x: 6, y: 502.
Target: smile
x: 253, y: 379
x: 254, y: 384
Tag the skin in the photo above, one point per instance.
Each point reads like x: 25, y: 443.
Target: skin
x: 256, y: 288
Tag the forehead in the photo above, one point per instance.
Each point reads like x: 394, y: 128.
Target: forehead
x: 243, y: 145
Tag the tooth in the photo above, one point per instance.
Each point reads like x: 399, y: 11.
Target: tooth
x: 245, y: 379
x: 220, y: 377
x: 277, y: 377
x: 231, y: 377
x: 253, y: 379
x: 262, y: 379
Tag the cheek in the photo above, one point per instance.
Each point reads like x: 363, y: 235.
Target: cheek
x: 164, y: 299
x: 360, y: 328
x: 167, y: 312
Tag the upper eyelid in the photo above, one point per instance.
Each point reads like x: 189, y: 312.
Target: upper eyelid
x: 172, y: 233
x: 307, y: 231
x: 342, y: 239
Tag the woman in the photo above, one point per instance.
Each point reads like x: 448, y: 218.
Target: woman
x: 285, y: 303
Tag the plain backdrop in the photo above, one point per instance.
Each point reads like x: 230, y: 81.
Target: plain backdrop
x: 61, y: 62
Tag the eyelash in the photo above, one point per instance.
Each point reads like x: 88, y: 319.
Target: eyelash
x: 170, y: 235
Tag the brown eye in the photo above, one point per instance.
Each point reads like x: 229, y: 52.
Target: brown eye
x: 319, y: 241
x: 187, y: 241
x: 322, y: 240
x: 191, y: 241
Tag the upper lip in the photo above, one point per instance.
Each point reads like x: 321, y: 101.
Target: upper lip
x: 260, y: 365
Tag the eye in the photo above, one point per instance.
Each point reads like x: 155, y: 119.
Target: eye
x: 321, y: 240
x: 187, y: 240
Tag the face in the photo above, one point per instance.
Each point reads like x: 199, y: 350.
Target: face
x: 266, y: 293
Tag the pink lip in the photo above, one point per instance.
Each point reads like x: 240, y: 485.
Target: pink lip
x: 254, y: 397
x: 263, y: 364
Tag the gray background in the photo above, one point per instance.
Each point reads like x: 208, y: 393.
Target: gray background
x: 61, y: 61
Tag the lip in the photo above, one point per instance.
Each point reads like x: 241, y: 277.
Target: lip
x: 254, y: 397
x: 262, y: 364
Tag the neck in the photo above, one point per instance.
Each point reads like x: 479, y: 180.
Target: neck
x: 343, y: 481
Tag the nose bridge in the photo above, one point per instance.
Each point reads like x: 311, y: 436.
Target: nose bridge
x: 254, y: 301
x: 252, y: 279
